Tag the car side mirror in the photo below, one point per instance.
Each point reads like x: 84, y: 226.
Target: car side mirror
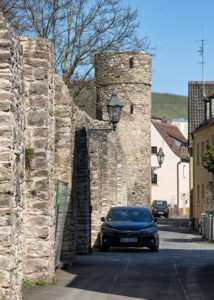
x: 155, y: 220
x: 102, y: 219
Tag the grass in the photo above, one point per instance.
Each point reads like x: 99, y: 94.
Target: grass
x: 46, y: 283
x: 26, y: 283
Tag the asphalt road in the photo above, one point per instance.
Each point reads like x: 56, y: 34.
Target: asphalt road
x: 183, y: 269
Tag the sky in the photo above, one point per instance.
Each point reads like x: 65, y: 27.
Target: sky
x: 175, y: 29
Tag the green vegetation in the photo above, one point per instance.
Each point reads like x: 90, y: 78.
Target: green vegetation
x: 29, y: 155
x: 208, y: 158
x: 26, y: 283
x: 166, y: 106
x: 169, y: 106
x: 85, y: 99
x: 46, y: 283
x: 33, y: 192
x: 208, y: 163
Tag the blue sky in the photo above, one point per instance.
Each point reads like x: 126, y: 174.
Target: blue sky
x: 175, y: 29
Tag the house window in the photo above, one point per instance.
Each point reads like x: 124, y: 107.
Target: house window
x: 154, y: 150
x: 131, y: 62
x: 198, y: 194
x: 154, y: 178
x: 202, y: 147
x: 212, y: 108
x: 197, y: 154
x: 207, y: 108
x: 132, y: 109
x: 202, y: 192
x: 184, y: 171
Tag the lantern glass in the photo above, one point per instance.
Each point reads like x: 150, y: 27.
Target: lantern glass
x: 160, y: 156
x: 114, y: 113
x: 114, y: 108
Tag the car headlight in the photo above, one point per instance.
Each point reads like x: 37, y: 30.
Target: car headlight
x: 149, y: 230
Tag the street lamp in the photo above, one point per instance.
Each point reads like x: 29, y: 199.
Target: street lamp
x: 160, y: 156
x: 114, y: 108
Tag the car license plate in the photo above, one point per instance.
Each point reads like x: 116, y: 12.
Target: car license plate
x: 128, y: 240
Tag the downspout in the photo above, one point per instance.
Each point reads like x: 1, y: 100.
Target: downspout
x: 178, y: 183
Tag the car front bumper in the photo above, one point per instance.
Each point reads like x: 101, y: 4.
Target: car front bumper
x: 116, y: 240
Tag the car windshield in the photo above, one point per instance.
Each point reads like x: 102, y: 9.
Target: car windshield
x: 130, y: 215
x: 156, y: 202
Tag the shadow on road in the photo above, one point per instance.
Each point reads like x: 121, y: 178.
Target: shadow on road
x: 134, y: 280
x: 175, y: 225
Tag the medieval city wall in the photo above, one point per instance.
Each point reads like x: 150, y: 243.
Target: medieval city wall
x: 11, y: 163
x: 39, y: 106
x: 102, y: 168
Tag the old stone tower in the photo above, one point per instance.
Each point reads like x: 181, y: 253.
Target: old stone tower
x: 119, y: 162
x: 130, y: 75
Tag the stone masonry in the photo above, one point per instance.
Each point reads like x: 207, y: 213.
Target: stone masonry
x: 129, y: 74
x: 39, y: 179
x: 11, y: 163
x: 102, y: 168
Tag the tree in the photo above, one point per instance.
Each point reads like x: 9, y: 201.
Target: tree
x: 208, y: 159
x: 78, y: 29
x: 208, y: 163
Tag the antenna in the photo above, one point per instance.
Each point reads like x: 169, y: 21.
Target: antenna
x: 201, y: 52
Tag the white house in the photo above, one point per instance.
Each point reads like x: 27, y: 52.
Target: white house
x: 170, y: 182
x: 182, y: 125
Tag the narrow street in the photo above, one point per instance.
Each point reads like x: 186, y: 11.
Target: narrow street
x: 183, y: 269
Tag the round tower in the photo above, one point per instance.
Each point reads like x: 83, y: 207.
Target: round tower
x: 130, y: 75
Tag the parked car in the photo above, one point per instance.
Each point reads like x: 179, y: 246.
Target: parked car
x: 129, y: 227
x: 160, y: 208
x: 206, y: 212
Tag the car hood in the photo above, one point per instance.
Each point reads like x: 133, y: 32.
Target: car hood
x: 128, y: 225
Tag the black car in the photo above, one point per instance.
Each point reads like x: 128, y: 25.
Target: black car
x: 129, y: 227
x: 160, y: 208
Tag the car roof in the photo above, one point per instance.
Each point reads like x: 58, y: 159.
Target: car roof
x: 129, y: 207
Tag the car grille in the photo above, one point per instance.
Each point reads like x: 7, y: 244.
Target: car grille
x: 128, y: 233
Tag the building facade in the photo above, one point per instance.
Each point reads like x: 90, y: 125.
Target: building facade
x: 197, y: 92
x: 203, y: 197
x: 170, y: 182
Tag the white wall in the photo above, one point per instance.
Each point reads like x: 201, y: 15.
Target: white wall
x: 182, y: 126
x: 166, y: 188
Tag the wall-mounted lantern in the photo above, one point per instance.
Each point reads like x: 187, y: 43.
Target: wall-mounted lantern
x: 160, y: 156
x: 114, y: 108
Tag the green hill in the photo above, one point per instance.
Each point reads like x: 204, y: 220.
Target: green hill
x: 166, y: 106
x: 169, y: 106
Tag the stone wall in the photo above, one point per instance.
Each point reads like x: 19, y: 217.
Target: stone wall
x: 64, y: 148
x: 11, y: 163
x: 102, y: 168
x: 107, y: 176
x: 39, y: 180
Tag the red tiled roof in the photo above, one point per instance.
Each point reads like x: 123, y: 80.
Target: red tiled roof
x: 169, y: 132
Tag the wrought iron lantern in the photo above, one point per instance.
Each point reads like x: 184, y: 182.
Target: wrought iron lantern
x: 114, y: 108
x: 160, y: 156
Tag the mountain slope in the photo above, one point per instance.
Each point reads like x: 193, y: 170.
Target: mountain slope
x: 169, y: 106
